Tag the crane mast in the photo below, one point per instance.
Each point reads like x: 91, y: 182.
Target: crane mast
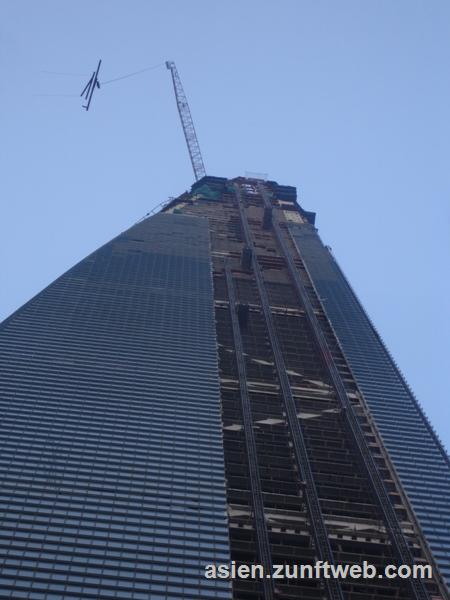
x: 187, y: 123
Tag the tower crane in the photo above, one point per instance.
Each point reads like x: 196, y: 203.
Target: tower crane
x: 187, y: 123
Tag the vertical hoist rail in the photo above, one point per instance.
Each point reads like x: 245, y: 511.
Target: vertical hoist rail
x: 320, y: 534
x: 395, y: 532
x: 250, y: 444
x: 187, y: 123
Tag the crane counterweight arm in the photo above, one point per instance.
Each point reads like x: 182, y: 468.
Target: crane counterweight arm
x: 187, y: 123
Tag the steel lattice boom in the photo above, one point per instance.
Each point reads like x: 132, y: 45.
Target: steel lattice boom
x: 187, y: 123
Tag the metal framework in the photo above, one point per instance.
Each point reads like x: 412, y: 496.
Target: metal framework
x: 307, y: 476
x: 187, y: 123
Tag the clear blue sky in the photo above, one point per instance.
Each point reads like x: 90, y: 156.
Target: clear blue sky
x: 349, y: 101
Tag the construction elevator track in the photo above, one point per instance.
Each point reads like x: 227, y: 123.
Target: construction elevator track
x: 250, y: 443
x: 393, y: 526
x: 322, y: 544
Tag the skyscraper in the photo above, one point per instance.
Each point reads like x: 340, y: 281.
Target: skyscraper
x: 206, y: 388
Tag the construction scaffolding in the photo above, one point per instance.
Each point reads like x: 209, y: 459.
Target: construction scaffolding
x: 307, y: 475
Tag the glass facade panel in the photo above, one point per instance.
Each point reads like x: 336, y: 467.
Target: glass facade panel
x: 112, y: 463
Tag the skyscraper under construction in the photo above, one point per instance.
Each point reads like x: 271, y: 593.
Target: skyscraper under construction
x: 206, y: 388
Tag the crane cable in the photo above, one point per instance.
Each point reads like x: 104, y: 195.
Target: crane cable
x: 132, y: 74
